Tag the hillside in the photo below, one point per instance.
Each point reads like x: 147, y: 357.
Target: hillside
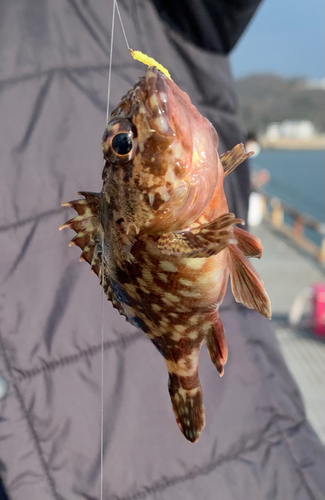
x: 270, y: 98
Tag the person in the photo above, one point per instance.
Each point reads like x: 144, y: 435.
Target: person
x: 257, y: 442
x: 259, y: 178
x: 252, y: 144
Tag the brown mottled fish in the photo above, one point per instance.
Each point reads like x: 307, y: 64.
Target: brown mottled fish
x: 160, y: 236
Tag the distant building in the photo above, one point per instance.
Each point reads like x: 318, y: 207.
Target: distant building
x: 303, y: 129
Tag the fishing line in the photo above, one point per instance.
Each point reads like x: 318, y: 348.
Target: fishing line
x: 102, y: 272
x: 122, y: 26
x: 110, y: 61
x: 102, y: 386
x: 115, y: 8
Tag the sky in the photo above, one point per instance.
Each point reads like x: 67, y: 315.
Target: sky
x: 285, y: 37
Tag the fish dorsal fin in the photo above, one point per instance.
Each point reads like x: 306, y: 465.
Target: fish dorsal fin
x: 250, y: 245
x: 234, y: 157
x: 89, y: 231
x: 246, y: 284
x: 89, y: 238
x: 203, y: 241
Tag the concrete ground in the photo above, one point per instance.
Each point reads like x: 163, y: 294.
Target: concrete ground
x: 286, y: 271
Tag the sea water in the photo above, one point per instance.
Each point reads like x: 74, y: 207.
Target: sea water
x: 297, y: 178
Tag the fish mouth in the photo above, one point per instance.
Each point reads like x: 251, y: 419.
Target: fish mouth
x: 157, y: 102
x: 192, y: 183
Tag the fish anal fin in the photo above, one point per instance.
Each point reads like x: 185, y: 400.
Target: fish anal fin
x: 187, y: 402
x: 246, y: 284
x: 216, y: 344
x: 250, y: 245
x: 234, y: 157
x: 89, y: 230
x: 203, y: 241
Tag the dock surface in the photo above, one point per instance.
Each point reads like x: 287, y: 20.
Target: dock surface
x: 286, y: 271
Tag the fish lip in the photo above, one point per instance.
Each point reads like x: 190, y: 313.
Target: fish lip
x: 157, y: 102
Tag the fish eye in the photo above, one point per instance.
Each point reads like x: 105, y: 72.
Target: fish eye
x: 122, y: 143
x: 119, y: 141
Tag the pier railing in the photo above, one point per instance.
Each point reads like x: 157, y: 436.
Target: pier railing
x: 295, y: 225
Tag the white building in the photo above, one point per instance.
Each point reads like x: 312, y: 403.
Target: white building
x: 303, y: 129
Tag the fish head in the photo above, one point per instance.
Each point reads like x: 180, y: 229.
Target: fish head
x: 161, y: 157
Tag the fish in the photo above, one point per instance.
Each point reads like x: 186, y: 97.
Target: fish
x: 161, y: 238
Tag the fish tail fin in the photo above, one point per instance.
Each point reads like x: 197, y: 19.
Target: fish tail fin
x: 88, y: 228
x: 246, y: 284
x: 186, y: 397
x: 250, y: 245
x: 216, y: 344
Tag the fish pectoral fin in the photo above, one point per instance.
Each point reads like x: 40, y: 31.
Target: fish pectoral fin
x: 187, y: 401
x: 216, y: 345
x: 231, y: 159
x: 250, y: 245
x: 204, y: 241
x: 89, y: 230
x: 246, y: 284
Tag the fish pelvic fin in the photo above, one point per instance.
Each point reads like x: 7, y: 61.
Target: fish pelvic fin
x: 246, y: 284
x: 250, y: 245
x: 89, y: 231
x: 234, y: 157
x: 204, y: 241
x: 216, y: 344
x: 187, y: 401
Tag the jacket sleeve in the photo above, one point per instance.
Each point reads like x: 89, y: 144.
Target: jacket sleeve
x: 214, y: 25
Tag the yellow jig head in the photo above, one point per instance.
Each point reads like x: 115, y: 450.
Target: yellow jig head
x: 149, y: 61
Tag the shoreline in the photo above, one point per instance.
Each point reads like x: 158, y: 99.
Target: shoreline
x: 314, y: 143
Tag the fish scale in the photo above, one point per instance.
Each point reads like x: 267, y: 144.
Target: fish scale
x: 160, y: 236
